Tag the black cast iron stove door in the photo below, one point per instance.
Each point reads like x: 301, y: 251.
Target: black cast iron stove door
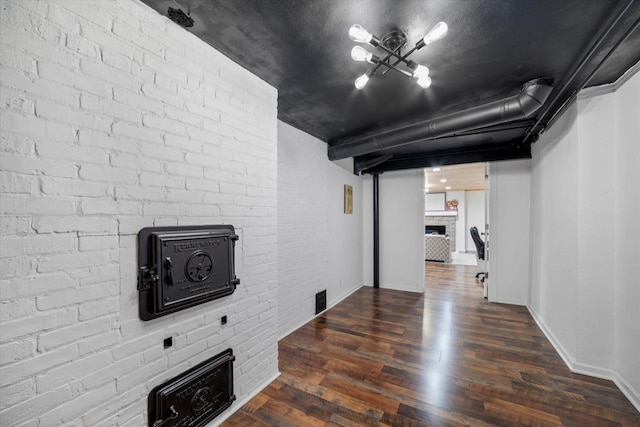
x: 195, y: 397
x: 184, y: 266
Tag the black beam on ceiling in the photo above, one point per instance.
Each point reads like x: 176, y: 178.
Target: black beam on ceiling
x: 369, y: 161
x: 587, y: 79
x: 484, y: 154
x: 563, y: 90
x: 375, y: 161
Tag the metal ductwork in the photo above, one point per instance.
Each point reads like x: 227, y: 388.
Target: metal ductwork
x: 517, y: 107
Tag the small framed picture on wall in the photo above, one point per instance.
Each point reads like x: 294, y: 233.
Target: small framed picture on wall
x: 348, y: 199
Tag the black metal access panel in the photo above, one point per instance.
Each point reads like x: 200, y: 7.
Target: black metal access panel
x: 196, y: 396
x: 180, y: 267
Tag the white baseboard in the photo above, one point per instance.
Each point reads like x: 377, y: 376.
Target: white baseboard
x: 627, y: 389
x: 580, y: 368
x: 401, y: 288
x: 332, y: 304
x: 592, y: 371
x: 510, y: 302
x: 240, y: 403
x: 566, y: 358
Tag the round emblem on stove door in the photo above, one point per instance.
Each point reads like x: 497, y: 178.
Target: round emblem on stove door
x: 199, y: 266
x: 200, y: 399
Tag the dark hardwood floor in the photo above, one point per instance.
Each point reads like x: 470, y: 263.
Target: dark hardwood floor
x: 445, y: 358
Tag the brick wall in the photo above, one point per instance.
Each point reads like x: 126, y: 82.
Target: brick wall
x: 319, y: 246
x: 302, y: 226
x: 112, y: 118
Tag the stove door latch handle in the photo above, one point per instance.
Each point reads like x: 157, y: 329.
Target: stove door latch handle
x: 169, y: 266
x: 147, y: 278
x: 173, y: 416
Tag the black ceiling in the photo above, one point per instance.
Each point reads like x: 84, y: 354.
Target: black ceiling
x: 492, y: 48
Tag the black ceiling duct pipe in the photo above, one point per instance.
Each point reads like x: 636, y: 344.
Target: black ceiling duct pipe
x: 517, y: 107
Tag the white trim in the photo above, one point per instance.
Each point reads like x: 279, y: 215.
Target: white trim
x: 575, y: 367
x: 593, y: 371
x: 567, y: 359
x: 610, y: 87
x: 509, y: 301
x: 333, y: 304
x: 627, y: 389
x: 240, y: 403
x: 440, y: 213
x: 395, y: 287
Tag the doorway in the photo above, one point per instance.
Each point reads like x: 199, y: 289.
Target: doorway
x: 455, y: 200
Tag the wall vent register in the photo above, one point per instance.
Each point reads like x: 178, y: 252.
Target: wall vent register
x: 321, y: 301
x: 180, y: 267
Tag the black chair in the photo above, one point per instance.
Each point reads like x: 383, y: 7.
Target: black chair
x: 479, y: 249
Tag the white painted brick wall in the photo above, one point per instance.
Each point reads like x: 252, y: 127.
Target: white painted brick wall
x: 313, y: 229
x: 112, y: 119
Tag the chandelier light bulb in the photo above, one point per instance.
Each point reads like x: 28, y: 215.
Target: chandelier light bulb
x: 413, y: 70
x: 424, y: 82
x: 421, y: 72
x: 362, y: 81
x: 359, y: 34
x: 436, y: 33
x: 360, y: 54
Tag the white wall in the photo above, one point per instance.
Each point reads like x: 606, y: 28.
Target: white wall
x: 474, y: 210
x: 585, y: 257
x: 401, y: 230
x: 113, y: 119
x: 509, y: 197
x: 554, y: 231
x: 595, y: 293
x: 344, y: 248
x: 319, y: 246
x: 626, y: 259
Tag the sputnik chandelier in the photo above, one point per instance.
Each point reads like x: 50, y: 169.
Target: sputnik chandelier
x: 392, y: 44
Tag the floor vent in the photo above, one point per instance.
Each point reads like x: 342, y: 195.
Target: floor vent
x: 321, y: 301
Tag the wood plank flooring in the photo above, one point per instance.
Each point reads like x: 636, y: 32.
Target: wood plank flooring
x: 445, y: 358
